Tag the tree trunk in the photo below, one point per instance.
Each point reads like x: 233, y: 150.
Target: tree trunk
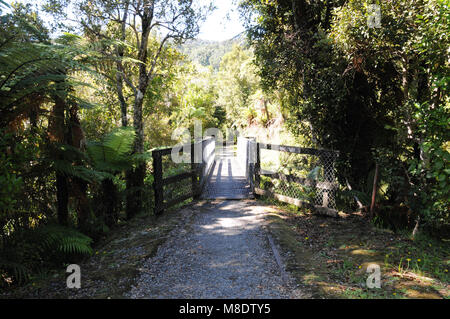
x: 110, y: 197
x: 266, y: 110
x: 79, y: 186
x: 56, y: 133
x: 119, y: 75
x: 62, y: 197
x: 135, y: 185
x: 123, y: 104
x: 79, y: 191
x: 135, y: 178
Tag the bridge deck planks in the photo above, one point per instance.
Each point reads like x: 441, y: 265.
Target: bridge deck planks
x: 227, y: 180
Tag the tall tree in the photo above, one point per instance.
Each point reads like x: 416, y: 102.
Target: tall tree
x: 406, y: 62
x: 35, y: 76
x: 376, y: 94
x: 107, y: 22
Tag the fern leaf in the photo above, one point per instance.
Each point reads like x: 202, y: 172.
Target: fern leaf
x: 111, y: 154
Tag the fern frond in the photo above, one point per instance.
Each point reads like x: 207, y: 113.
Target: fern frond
x: 64, y: 239
x: 19, y: 271
x: 112, y: 153
x: 120, y: 140
x: 142, y: 157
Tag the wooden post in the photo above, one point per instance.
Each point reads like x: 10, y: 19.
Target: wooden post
x: 202, y: 164
x: 249, y: 164
x: 194, y: 166
x: 258, y: 167
x: 157, y: 182
x: 326, y: 177
x: 251, y: 143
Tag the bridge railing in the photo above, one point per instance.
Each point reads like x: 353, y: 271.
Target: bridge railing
x: 300, y: 176
x: 246, y: 147
x: 175, y: 183
x: 208, y: 157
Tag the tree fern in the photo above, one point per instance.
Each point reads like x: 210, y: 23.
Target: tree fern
x: 84, y: 173
x: 31, y: 63
x: 121, y: 141
x: 27, y: 252
x: 112, y: 154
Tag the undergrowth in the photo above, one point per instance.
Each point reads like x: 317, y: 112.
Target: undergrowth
x: 29, y: 252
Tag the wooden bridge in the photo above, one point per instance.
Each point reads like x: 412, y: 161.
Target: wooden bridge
x: 228, y: 179
x: 233, y: 171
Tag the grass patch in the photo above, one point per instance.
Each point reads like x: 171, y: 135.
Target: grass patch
x: 329, y: 257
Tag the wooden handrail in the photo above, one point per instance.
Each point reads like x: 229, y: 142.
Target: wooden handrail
x: 296, y: 149
x: 159, y: 182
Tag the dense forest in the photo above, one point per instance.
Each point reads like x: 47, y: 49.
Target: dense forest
x: 378, y: 95
x: 209, y: 53
x: 84, y: 103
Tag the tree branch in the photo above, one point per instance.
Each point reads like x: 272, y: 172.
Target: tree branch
x: 155, y: 58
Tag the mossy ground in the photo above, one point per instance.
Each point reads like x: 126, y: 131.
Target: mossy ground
x: 329, y: 257
x: 115, y: 264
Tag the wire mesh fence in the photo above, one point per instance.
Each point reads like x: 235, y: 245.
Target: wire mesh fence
x: 295, y: 174
x: 326, y: 184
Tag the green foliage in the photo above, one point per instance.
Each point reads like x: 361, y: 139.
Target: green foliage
x: 378, y: 95
x: 110, y: 156
x: 194, y: 98
x: 26, y: 252
x: 34, y: 73
x: 209, y: 53
x: 10, y: 184
x: 375, y: 94
x: 33, y: 69
x: 237, y: 83
x: 112, y: 153
x: 325, y: 104
x: 64, y: 240
x: 21, y: 169
x: 433, y: 173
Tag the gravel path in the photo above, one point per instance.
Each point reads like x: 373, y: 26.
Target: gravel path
x: 223, y: 253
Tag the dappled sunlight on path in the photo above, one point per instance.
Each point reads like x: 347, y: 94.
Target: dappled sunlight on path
x: 223, y: 253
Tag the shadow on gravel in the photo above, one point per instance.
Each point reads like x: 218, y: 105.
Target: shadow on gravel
x: 223, y: 253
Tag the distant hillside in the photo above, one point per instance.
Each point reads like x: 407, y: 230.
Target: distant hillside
x: 209, y: 53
